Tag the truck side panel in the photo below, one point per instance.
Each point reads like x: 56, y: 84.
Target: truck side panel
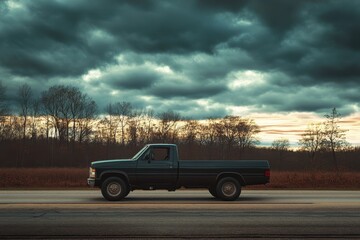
x: 203, y: 173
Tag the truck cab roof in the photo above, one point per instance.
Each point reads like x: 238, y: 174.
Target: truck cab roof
x: 161, y: 145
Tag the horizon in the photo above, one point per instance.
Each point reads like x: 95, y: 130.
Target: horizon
x: 281, y: 126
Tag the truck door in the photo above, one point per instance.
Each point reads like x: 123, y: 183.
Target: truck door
x: 156, y: 168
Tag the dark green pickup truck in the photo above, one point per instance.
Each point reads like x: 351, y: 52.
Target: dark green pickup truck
x: 157, y: 166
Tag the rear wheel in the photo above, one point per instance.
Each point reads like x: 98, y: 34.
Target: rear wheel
x: 114, y: 189
x: 228, y: 189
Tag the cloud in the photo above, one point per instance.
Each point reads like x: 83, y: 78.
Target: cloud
x: 201, y: 58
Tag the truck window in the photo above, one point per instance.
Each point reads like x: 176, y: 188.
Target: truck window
x: 157, y: 154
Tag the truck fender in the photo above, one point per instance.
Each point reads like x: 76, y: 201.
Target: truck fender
x: 115, y: 173
x: 235, y: 175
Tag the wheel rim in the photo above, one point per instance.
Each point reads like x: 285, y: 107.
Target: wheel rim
x: 114, y: 189
x: 228, y: 189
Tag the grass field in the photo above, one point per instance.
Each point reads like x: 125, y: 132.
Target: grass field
x: 63, y: 178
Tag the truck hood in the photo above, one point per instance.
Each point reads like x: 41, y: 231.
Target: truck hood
x: 111, y: 163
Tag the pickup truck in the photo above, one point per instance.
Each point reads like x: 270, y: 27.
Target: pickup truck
x: 157, y: 166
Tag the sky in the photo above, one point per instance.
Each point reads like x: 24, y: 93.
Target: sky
x: 273, y: 60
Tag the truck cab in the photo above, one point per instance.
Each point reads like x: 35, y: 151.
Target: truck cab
x: 157, y: 167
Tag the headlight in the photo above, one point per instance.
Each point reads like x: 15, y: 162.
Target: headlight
x: 92, y: 172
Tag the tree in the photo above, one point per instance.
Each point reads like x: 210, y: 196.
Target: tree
x: 167, y: 125
x: 281, y: 145
x: 25, y: 101
x: 109, y: 130
x: 52, y: 99
x: 226, y: 133
x: 246, y: 133
x: 234, y: 131
x: 4, y: 110
x: 82, y: 111
x: 122, y: 112
x: 118, y: 115
x: 312, y: 139
x: 191, y: 132
x: 85, y: 118
x: 208, y: 132
x: 66, y: 105
x: 148, y: 125
x: 335, y: 138
x: 135, y: 131
x: 35, y: 114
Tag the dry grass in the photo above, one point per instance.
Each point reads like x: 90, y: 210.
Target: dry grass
x: 46, y: 178
x: 313, y: 180
x: 60, y: 178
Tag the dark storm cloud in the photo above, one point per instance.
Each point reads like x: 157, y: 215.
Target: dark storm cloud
x: 47, y: 38
x: 59, y: 38
x: 139, y: 78
x: 306, y: 52
x: 187, y: 91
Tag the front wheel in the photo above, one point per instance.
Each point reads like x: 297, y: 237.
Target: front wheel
x: 114, y: 189
x: 228, y: 189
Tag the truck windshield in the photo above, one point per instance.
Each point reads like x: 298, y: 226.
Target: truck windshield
x: 140, y: 152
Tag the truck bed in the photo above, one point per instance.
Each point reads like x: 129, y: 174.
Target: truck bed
x: 194, y: 173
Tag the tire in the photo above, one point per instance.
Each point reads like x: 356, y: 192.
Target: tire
x: 114, y: 189
x: 212, y: 191
x: 228, y: 189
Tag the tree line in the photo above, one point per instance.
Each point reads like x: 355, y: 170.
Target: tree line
x: 67, y: 115
x: 63, y: 124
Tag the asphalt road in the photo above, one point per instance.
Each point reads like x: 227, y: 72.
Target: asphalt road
x: 181, y: 214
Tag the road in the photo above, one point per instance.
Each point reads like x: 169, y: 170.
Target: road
x: 181, y: 214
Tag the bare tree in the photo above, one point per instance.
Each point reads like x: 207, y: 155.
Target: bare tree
x: 281, y: 145
x: 122, y: 112
x: 35, y: 114
x: 167, y: 125
x: 148, y: 125
x: 82, y: 111
x: 191, y: 132
x: 208, y: 132
x: 110, y: 125
x: 335, y: 138
x: 66, y: 104
x: 76, y: 102
x: 246, y: 133
x: 12, y: 129
x: 86, y: 118
x: 118, y: 115
x: 236, y: 131
x: 4, y: 110
x: 226, y: 133
x: 312, y: 139
x: 52, y: 100
x: 135, y: 131
x: 25, y: 101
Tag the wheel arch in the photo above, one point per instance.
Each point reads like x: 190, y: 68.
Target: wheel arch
x: 120, y: 174
x: 235, y: 175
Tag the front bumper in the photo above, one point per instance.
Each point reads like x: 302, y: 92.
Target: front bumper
x: 91, y: 182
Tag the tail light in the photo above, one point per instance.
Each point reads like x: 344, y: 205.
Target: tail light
x: 267, y: 173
